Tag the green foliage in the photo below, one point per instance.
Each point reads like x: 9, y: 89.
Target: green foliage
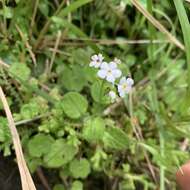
x: 74, y: 83
x: 64, y: 116
x: 93, y: 130
x: 74, y: 105
x: 80, y: 168
x: 20, y: 70
x: 36, y: 145
x: 99, y: 92
x: 116, y: 138
x: 77, y: 185
x: 60, y: 153
x: 5, y: 137
x: 59, y: 187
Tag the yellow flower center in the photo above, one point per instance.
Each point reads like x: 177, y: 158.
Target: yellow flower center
x: 124, y: 86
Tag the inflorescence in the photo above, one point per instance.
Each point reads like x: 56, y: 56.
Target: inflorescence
x: 110, y: 72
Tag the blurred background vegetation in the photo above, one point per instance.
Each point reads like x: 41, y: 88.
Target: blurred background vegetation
x: 72, y: 138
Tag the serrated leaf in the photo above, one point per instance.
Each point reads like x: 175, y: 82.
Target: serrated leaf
x: 115, y: 138
x: 60, y: 153
x: 94, y: 129
x: 80, y: 168
x: 74, y: 105
x: 39, y: 145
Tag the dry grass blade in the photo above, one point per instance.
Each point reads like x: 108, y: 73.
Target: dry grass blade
x: 3, y: 64
x: 157, y: 24
x: 29, y: 48
x: 26, y: 179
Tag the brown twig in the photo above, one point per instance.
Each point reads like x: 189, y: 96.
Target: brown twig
x: 43, y: 178
x: 26, y: 179
x: 29, y: 48
x: 33, y: 17
x: 46, y: 26
x: 54, y: 52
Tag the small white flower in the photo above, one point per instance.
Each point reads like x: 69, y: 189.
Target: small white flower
x: 96, y: 60
x: 117, y: 61
x: 125, y: 86
x: 109, y: 71
x: 112, y: 95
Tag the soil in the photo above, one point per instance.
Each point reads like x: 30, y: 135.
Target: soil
x: 9, y: 175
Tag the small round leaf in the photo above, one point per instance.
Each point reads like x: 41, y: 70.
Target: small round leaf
x: 74, y: 105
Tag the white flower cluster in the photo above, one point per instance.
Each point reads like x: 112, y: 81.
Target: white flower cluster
x: 110, y: 72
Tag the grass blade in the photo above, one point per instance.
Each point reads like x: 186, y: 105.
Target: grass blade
x: 72, y: 7
x: 183, y: 18
x: 157, y: 24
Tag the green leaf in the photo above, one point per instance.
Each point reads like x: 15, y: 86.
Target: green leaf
x: 183, y: 18
x: 20, y: 70
x: 73, y: 79
x: 7, y: 12
x: 39, y: 145
x: 59, y: 153
x: 59, y: 187
x: 72, y: 7
x: 43, y: 7
x: 99, y: 92
x: 94, y: 129
x: 74, y: 105
x: 80, y: 168
x: 116, y: 138
x: 5, y: 134
x: 77, y: 185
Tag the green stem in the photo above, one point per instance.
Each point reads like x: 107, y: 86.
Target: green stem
x: 155, y: 98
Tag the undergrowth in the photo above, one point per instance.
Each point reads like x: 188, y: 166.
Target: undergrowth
x: 67, y: 122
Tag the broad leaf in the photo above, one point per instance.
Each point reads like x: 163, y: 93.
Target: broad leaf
x: 38, y: 145
x: 80, y: 168
x: 94, y: 129
x: 116, y: 138
x: 74, y: 105
x: 60, y: 153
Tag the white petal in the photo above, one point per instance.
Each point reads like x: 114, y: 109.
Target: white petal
x: 122, y: 93
x: 102, y: 74
x: 97, y: 64
x: 116, y: 73
x: 119, y: 88
x: 110, y: 78
x: 112, y: 95
x: 122, y: 80
x: 94, y: 57
x: 128, y: 89
x: 104, y: 65
x: 92, y: 63
x: 112, y: 65
x: 100, y: 57
x: 117, y: 61
x: 130, y: 81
